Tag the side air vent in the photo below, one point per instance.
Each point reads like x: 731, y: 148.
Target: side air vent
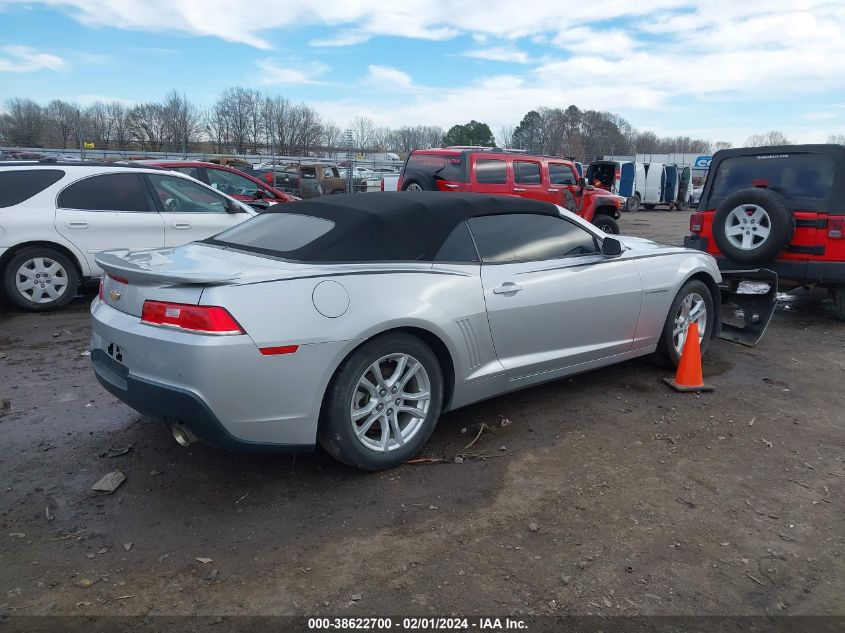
x: 465, y: 327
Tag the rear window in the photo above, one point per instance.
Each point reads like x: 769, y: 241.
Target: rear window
x: 442, y: 167
x: 491, y: 172
x: 19, y: 185
x: 276, y: 233
x: 109, y: 192
x: 804, y: 177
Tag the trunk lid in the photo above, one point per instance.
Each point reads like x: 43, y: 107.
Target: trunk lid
x: 180, y: 274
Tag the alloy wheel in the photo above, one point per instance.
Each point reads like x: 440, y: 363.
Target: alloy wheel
x: 692, y: 309
x: 390, y: 402
x: 413, y: 187
x: 748, y: 226
x: 41, y: 280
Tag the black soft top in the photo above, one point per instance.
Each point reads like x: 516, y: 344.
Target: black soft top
x: 836, y: 204
x: 394, y: 226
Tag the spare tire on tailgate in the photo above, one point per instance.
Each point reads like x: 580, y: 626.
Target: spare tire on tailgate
x: 751, y: 226
x: 418, y: 181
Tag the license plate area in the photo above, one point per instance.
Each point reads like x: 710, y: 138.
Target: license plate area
x: 115, y: 352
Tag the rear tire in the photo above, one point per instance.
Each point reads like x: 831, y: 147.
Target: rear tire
x: 40, y: 279
x: 691, y: 295
x: 650, y: 207
x: 419, y: 182
x: 839, y: 301
x: 606, y: 224
x: 384, y: 403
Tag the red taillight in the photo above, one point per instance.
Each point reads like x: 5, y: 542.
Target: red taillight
x: 696, y: 222
x: 617, y: 175
x: 102, y: 281
x: 191, y: 318
x: 382, y: 184
x: 836, y: 228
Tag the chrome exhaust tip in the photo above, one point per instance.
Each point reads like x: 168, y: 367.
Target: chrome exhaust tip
x: 182, y: 435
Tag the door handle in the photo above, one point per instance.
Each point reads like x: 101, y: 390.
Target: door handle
x: 78, y: 224
x: 181, y: 225
x: 451, y: 186
x: 552, y: 190
x: 507, y: 288
x: 518, y: 189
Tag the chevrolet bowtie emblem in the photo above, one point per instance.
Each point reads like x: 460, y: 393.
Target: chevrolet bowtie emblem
x: 114, y: 295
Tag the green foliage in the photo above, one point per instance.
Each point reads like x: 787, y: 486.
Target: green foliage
x: 472, y: 133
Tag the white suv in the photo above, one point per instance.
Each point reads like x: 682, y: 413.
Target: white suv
x: 55, y: 217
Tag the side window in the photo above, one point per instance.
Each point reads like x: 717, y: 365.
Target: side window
x: 308, y: 173
x: 525, y: 238
x: 193, y: 172
x: 18, y: 185
x: 491, y: 172
x: 561, y: 174
x: 526, y: 173
x: 180, y: 195
x: 109, y: 192
x: 458, y: 247
x: 233, y: 184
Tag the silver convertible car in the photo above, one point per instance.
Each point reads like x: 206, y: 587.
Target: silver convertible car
x: 356, y: 321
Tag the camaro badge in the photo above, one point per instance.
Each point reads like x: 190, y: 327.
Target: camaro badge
x: 114, y: 295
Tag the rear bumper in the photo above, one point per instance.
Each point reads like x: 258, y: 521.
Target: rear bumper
x: 221, y: 388
x: 817, y: 272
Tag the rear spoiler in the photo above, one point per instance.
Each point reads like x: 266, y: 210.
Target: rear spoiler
x: 749, y: 299
x: 157, y: 268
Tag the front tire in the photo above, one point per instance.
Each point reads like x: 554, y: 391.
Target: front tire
x: 694, y: 302
x: 383, y: 403
x: 606, y: 224
x: 40, y: 279
x: 633, y: 203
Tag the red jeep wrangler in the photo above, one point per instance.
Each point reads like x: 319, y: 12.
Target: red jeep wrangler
x: 492, y: 170
x: 778, y: 207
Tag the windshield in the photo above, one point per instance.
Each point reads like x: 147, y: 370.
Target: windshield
x: 804, y: 178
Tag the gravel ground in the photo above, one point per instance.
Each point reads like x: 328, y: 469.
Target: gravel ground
x: 605, y: 493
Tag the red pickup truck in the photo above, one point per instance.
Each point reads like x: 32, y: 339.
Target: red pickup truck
x: 492, y: 170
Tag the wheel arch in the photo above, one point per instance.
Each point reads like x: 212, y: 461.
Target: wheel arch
x: 64, y: 250
x: 435, y: 342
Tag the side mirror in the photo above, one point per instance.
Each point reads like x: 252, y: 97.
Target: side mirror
x: 582, y: 182
x: 611, y: 247
x: 233, y: 207
x: 259, y: 194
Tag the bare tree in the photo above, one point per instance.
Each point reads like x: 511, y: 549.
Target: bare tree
x: 505, y: 136
x: 836, y: 139
x: 235, y: 105
x: 62, y: 122
x: 183, y: 119
x: 217, y: 127
x: 148, y: 125
x: 119, y: 115
x: 769, y: 138
x: 24, y: 122
x: 332, y: 136
x: 100, y: 124
x: 363, y: 129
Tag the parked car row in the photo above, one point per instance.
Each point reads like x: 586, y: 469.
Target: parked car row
x: 644, y: 184
x: 492, y: 170
x: 56, y: 217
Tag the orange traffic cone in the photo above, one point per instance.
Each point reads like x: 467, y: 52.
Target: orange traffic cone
x: 688, y: 377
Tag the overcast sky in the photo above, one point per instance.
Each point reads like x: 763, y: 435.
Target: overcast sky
x: 719, y: 69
